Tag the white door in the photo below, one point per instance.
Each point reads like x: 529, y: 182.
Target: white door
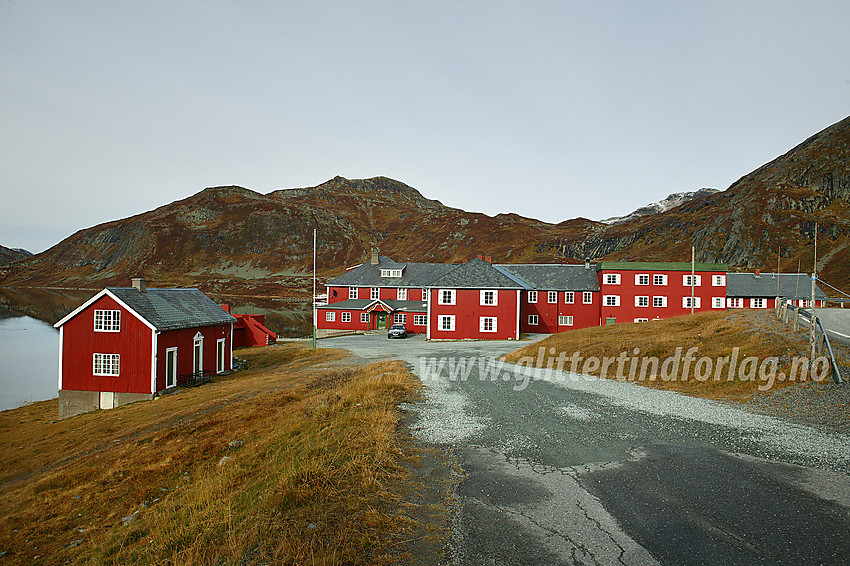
x: 170, y: 367
x: 219, y: 357
x: 198, y: 362
x: 107, y: 400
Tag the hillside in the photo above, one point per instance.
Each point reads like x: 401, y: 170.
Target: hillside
x: 8, y: 255
x: 232, y: 239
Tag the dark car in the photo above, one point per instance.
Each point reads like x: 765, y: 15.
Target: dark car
x: 397, y: 331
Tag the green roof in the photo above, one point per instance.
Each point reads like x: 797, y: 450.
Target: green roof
x: 659, y: 266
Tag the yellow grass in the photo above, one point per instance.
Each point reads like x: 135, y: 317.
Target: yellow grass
x: 316, y: 474
x: 715, y: 335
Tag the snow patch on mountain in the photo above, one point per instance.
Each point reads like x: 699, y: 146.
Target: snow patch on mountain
x: 672, y: 201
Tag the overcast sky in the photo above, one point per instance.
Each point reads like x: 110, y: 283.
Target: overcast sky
x: 552, y: 110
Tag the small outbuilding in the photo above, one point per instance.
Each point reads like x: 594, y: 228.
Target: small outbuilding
x: 127, y: 344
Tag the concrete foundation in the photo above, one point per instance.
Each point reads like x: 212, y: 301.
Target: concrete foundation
x: 78, y: 402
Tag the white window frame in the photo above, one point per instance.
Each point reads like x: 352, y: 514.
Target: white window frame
x: 420, y: 320
x: 446, y: 322
x: 642, y: 301
x: 330, y: 316
x: 659, y: 304
x: 352, y: 292
x: 401, y: 294
x: 565, y: 320
x: 424, y: 295
x: 532, y: 297
x: 686, y: 281
x: 718, y: 302
x: 659, y: 279
x: 485, y: 321
x: 396, y: 273
x: 611, y: 300
x: 758, y: 303
x: 107, y: 320
x: 552, y: 297
x: 735, y: 303
x: 375, y: 293
x: 490, y: 294
x: 399, y: 318
x: 640, y: 277
x: 718, y: 280
x: 611, y: 279
x: 686, y: 302
x: 107, y: 365
x: 641, y: 320
x: 533, y: 320
x: 446, y: 297
x: 364, y: 317
x: 345, y: 317
x: 569, y: 297
x: 587, y: 298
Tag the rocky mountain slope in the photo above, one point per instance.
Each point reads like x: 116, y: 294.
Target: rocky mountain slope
x: 231, y: 239
x: 672, y: 201
x: 8, y: 255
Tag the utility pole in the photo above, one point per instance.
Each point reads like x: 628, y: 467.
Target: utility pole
x: 314, y: 289
x: 814, y: 318
x: 693, y: 279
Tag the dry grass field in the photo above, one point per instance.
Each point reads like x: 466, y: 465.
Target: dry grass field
x: 296, y: 460
x: 714, y: 335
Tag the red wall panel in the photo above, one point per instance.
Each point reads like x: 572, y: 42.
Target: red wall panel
x: 468, y: 311
x: 184, y: 340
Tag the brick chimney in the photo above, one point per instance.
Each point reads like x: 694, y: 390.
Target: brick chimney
x: 375, y: 260
x: 139, y: 283
x: 758, y: 272
x: 488, y: 259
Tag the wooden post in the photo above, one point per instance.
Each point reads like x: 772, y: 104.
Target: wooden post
x: 796, y: 318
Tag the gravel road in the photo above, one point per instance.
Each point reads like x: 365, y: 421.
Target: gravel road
x: 566, y: 469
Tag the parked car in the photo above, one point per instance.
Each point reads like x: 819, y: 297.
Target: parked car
x: 397, y: 331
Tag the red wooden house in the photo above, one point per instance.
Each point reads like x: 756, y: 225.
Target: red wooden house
x: 759, y: 290
x: 127, y: 344
x: 250, y: 330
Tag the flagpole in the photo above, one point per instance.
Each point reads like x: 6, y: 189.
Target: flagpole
x: 314, y: 288
x: 693, y: 266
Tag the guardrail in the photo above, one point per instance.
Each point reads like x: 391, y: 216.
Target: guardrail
x: 784, y: 312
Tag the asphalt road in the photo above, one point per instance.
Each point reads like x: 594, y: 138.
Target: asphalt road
x: 835, y: 321
x: 577, y: 470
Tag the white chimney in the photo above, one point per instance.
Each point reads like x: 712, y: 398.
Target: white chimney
x: 139, y: 283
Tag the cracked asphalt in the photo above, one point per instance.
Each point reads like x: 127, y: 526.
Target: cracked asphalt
x: 563, y: 469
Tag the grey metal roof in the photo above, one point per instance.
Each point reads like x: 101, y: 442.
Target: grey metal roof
x: 476, y: 274
x: 414, y: 274
x: 554, y: 277
x: 363, y: 304
x: 791, y: 285
x: 170, y: 309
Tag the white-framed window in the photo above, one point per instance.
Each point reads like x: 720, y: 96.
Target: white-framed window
x: 489, y: 298
x: 659, y: 302
x: 802, y: 303
x: 565, y: 320
x: 641, y: 301
x: 717, y: 302
x: 642, y: 279
x: 487, y: 324
x: 400, y: 318
x: 718, y: 280
x: 532, y: 297
x: 569, y: 297
x: 401, y: 294
x: 758, y: 303
x: 375, y: 293
x: 352, y: 292
x: 345, y: 317
x: 686, y: 302
x: 425, y: 295
x: 659, y: 279
x: 420, y: 319
x: 687, y: 280
x: 641, y: 320
x: 391, y: 273
x: 107, y: 320
x: 612, y: 279
x: 446, y: 322
x: 611, y: 300
x: 533, y: 320
x: 330, y: 316
x: 364, y: 317
x: 735, y: 303
x: 107, y: 364
x: 552, y: 297
x: 587, y: 298
x: 446, y: 297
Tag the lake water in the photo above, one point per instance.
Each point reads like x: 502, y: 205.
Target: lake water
x: 29, y: 361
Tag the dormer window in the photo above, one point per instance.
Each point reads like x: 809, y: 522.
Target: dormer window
x: 391, y: 273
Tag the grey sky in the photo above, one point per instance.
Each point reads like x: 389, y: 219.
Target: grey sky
x: 548, y: 109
